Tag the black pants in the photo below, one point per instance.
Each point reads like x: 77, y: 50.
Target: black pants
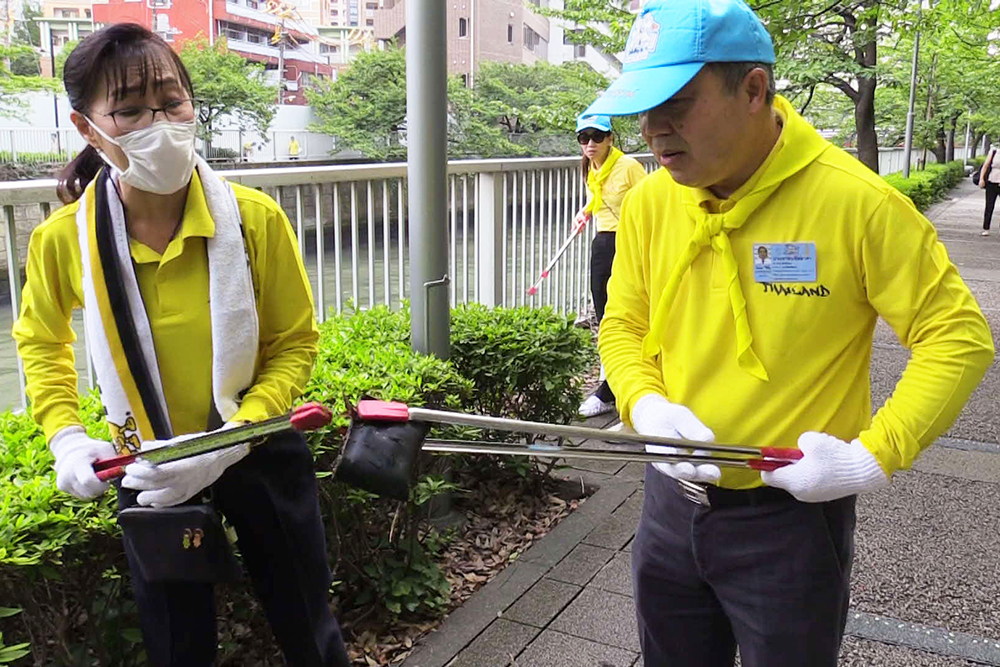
x: 992, y: 190
x: 270, y: 499
x: 773, y: 578
x: 602, y: 255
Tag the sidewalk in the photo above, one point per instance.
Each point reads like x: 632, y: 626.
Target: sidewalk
x: 927, y: 572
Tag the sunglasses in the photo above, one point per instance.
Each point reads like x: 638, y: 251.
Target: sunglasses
x: 597, y: 136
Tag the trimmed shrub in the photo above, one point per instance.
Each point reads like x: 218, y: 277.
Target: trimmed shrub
x: 929, y: 185
x: 61, y: 560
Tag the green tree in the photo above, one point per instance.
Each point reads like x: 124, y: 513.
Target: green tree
x: 537, y: 105
x: 25, y: 33
x: 365, y: 109
x: 227, y: 84
x: 61, y: 57
x: 13, y: 86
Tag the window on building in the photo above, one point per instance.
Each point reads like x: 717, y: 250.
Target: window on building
x: 531, y: 38
x: 63, y: 13
x: 334, y: 12
x: 253, y: 4
x: 463, y: 27
x: 465, y: 80
x: 369, y: 22
x: 86, y: 12
x: 510, y: 34
x: 371, y: 5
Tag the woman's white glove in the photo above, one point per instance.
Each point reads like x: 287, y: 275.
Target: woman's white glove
x: 829, y: 469
x: 169, y: 484
x: 75, y: 454
x: 655, y: 415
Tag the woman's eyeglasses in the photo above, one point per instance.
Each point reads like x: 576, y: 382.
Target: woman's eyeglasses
x: 136, y: 118
x: 597, y: 136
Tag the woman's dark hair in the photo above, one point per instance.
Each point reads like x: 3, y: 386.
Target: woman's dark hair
x: 106, y: 57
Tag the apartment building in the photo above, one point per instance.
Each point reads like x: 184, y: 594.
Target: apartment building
x: 496, y: 30
x: 61, y: 22
x: 252, y: 28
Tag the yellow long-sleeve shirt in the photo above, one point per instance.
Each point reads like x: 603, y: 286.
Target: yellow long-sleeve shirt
x: 174, y: 289
x: 625, y: 173
x: 876, y: 255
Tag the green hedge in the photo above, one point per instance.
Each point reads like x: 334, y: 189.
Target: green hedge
x: 929, y: 185
x: 61, y: 560
x: 7, y: 157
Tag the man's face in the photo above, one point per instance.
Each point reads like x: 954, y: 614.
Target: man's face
x: 698, y: 133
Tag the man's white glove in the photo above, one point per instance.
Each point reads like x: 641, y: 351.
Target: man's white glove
x: 75, y: 454
x: 655, y: 415
x: 829, y: 469
x: 169, y: 484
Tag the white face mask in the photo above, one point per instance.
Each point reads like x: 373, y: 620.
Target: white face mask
x: 161, y: 157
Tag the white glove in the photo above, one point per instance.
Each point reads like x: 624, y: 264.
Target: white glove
x: 654, y: 415
x: 75, y: 454
x: 829, y: 469
x: 169, y: 484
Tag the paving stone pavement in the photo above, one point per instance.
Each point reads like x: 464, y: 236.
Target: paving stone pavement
x: 926, y: 575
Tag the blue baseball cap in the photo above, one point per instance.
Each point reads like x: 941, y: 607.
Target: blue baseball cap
x: 596, y: 122
x: 671, y: 40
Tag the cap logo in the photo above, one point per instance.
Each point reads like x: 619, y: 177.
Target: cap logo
x: 642, y: 39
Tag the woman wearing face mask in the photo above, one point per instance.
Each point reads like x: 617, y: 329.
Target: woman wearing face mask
x: 199, y: 316
x: 610, y: 174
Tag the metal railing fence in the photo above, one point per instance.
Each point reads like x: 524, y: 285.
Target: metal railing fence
x: 505, y: 219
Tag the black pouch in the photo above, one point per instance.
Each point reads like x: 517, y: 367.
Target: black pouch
x: 184, y: 543
x: 380, y: 457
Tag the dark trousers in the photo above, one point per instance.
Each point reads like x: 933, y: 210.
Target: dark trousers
x: 772, y: 578
x: 270, y: 499
x: 992, y: 190
x: 602, y: 255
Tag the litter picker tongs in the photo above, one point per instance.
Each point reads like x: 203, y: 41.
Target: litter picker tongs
x: 384, y: 438
x: 306, y: 417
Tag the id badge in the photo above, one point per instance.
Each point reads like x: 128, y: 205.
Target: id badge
x: 784, y: 262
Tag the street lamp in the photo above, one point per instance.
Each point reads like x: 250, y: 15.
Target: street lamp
x: 913, y: 94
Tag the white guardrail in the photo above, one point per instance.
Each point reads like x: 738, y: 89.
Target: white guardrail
x: 351, y: 225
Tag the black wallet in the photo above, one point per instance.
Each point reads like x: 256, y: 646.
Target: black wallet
x: 184, y: 543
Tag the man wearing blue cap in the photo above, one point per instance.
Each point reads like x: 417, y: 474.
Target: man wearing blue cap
x: 704, y: 340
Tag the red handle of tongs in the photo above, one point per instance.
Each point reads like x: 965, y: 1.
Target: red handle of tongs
x: 306, y: 417
x: 773, y: 458
x: 113, y: 468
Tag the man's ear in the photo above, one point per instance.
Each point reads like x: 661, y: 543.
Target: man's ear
x: 84, y: 128
x: 755, y: 87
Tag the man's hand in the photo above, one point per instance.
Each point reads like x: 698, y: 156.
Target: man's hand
x: 655, y: 415
x: 75, y: 454
x: 829, y: 469
x: 169, y: 484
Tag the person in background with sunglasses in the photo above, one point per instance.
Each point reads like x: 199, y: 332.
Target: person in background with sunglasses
x: 609, y: 174
x: 199, y: 316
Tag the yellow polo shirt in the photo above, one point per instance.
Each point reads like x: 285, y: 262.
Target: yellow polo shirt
x: 625, y: 173
x: 174, y: 289
x: 876, y: 255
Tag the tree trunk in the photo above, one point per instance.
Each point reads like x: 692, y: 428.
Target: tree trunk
x: 977, y: 138
x: 864, y: 121
x: 940, y: 150
x: 950, y: 153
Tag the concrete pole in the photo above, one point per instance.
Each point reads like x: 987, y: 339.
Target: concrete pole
x: 426, y: 168
x: 909, y: 112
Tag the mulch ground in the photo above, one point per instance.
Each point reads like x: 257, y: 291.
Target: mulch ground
x: 501, y: 518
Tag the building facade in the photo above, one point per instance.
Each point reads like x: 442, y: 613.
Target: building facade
x: 252, y: 28
x: 494, y: 30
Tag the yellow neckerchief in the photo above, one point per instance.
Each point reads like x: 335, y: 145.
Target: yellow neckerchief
x: 797, y: 146
x: 596, y: 178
